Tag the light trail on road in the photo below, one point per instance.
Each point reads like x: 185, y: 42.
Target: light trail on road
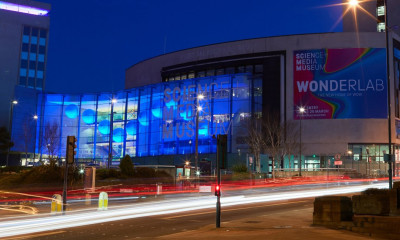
x: 45, y: 222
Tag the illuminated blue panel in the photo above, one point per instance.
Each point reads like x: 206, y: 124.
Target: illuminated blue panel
x: 71, y: 111
x: 118, y: 135
x: 154, y: 120
x: 89, y: 116
x: 104, y: 127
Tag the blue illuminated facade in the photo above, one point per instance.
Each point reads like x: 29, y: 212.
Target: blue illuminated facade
x: 151, y: 121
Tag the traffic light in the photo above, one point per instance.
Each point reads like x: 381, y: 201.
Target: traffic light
x: 71, y: 146
x: 222, y: 150
x: 218, y: 190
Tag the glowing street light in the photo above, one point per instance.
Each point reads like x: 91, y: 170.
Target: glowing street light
x: 196, y: 154
x: 14, y: 102
x: 353, y: 3
x: 302, y: 110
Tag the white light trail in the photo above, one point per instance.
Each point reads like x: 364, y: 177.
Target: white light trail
x: 46, y: 222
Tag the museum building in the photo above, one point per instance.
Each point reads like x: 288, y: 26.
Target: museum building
x: 339, y: 78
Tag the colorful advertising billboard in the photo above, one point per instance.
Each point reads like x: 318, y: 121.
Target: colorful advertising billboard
x: 340, y: 83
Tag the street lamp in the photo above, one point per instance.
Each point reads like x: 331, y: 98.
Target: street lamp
x: 388, y: 93
x: 196, y: 154
x: 14, y: 102
x: 302, y: 110
x: 35, y: 117
x: 353, y: 3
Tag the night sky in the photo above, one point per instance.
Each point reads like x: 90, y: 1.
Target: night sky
x: 92, y: 42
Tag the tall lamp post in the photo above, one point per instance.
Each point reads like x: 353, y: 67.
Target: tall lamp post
x: 388, y: 93
x: 196, y: 154
x: 35, y: 117
x: 302, y: 110
x: 14, y: 102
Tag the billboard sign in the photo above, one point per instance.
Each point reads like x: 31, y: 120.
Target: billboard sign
x: 340, y: 83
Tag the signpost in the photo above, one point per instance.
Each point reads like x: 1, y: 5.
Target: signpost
x: 221, y: 162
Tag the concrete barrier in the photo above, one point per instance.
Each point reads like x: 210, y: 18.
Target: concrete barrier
x: 331, y: 210
x: 56, y: 204
x: 103, y: 201
x: 372, y: 202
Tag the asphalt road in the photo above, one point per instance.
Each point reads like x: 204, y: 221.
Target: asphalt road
x: 164, y: 225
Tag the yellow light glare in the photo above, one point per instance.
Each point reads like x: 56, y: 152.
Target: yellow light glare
x: 353, y: 3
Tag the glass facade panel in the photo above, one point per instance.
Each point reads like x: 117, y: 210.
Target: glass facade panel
x: 154, y: 120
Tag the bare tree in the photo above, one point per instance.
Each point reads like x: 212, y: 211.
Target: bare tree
x: 51, y: 138
x: 255, y: 140
x: 273, y: 131
x: 291, y: 142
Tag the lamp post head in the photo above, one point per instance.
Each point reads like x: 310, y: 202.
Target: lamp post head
x: 114, y: 100
x: 353, y: 3
x: 14, y: 102
x: 35, y: 117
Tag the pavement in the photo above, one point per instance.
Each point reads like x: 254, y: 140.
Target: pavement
x: 275, y: 226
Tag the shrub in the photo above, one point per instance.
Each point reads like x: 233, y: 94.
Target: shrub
x: 126, y: 166
x: 102, y: 174
x: 145, y: 172
x: 239, y: 168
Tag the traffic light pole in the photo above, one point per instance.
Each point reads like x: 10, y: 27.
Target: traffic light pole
x: 65, y: 187
x: 218, y: 213
x: 69, y: 159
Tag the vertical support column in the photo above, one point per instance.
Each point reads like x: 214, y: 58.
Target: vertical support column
x: 61, y: 126
x: 125, y: 121
x: 95, y: 128
x: 79, y: 127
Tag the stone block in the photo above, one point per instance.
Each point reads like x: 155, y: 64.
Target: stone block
x: 332, y: 210
x: 372, y: 202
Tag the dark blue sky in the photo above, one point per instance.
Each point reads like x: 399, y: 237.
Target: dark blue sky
x: 92, y: 42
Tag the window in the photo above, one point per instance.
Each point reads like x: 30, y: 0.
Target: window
x: 43, y: 33
x: 35, y: 31
x: 41, y: 58
x: 24, y: 55
x: 25, y: 47
x: 31, y: 82
x: 24, y: 64
x: 191, y: 75
x: 27, y: 31
x: 22, y: 72
x: 33, y: 48
x: 40, y: 66
x: 42, y: 49
x: 258, y: 68
x: 210, y: 72
x: 33, y: 40
x: 31, y: 73
x: 42, y: 41
x: 25, y: 39
x: 220, y: 71
x: 32, y: 64
x: 380, y: 11
x: 32, y: 57
x: 229, y: 70
x: 39, y: 83
x: 240, y: 69
x: 381, y: 27
x: 39, y: 74
x: 201, y: 74
x: 22, y: 81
